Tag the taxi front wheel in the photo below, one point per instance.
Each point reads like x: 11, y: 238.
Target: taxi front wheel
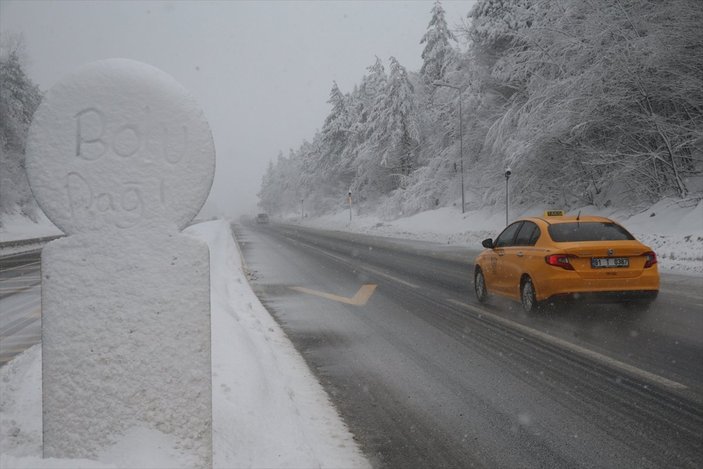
x: 480, y: 286
x: 527, y: 295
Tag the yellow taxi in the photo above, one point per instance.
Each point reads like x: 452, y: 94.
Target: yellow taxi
x: 535, y: 259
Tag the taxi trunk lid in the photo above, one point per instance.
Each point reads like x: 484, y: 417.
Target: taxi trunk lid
x: 607, y: 259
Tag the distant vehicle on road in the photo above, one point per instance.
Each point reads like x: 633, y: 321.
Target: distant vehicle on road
x: 262, y: 219
x: 538, y: 258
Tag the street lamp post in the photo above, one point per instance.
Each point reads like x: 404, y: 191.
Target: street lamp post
x: 302, y: 213
x: 461, y: 139
x: 508, y: 172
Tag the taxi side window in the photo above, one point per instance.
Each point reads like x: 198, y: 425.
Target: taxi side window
x: 528, y: 234
x: 506, y: 238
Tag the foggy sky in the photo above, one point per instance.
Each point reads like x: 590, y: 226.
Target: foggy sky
x: 261, y: 71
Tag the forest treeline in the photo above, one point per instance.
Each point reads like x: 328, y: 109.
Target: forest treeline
x: 587, y: 101
x: 19, y: 98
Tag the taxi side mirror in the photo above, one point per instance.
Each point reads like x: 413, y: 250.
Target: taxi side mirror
x: 488, y: 243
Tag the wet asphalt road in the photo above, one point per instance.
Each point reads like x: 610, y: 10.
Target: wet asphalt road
x: 20, y: 303
x: 426, y: 377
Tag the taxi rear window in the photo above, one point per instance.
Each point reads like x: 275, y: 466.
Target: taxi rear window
x: 588, y: 231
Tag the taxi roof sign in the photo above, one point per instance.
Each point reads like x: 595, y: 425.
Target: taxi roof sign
x: 554, y: 213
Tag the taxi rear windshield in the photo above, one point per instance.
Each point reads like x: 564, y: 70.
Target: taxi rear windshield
x: 588, y: 231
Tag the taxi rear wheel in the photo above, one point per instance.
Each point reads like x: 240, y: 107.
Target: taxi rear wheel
x: 480, y: 286
x: 528, y: 298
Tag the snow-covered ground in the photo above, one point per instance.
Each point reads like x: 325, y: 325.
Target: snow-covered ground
x: 268, y: 409
x: 673, y: 231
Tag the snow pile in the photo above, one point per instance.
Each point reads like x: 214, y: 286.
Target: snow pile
x: 21, y: 417
x: 675, y: 232
x: 268, y: 410
x: 126, y: 341
x: 118, y: 156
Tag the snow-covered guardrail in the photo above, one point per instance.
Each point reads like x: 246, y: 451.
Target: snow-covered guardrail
x: 18, y: 244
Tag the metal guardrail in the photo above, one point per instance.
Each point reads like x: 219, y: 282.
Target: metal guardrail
x: 43, y: 240
x: 25, y: 242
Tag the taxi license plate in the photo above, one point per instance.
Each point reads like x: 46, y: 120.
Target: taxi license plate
x: 603, y: 262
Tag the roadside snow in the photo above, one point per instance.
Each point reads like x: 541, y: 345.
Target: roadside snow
x: 673, y: 231
x: 17, y: 227
x: 268, y: 409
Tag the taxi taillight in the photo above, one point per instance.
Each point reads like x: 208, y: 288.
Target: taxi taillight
x: 559, y: 260
x: 651, y: 259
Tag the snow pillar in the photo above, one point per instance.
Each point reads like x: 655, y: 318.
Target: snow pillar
x: 120, y: 157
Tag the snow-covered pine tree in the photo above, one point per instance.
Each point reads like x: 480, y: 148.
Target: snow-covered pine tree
x: 335, y: 134
x: 358, y: 153
x: 396, y: 137
x: 496, y: 24
x: 372, y: 88
x: 438, y: 52
x: 336, y: 120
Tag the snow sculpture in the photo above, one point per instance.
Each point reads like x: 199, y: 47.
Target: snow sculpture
x: 120, y: 157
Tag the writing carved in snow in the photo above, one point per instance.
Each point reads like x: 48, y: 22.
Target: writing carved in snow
x: 119, y: 157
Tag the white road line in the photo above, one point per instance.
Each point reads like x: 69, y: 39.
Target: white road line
x: 325, y: 253
x: 390, y: 277
x: 368, y: 269
x: 632, y: 370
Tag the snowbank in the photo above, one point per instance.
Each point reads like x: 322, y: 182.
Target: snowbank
x: 268, y: 409
x: 17, y: 227
x: 675, y: 232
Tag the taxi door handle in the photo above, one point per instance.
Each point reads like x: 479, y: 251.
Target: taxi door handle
x: 519, y: 254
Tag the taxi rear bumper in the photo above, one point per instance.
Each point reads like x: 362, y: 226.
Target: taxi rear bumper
x: 569, y: 283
